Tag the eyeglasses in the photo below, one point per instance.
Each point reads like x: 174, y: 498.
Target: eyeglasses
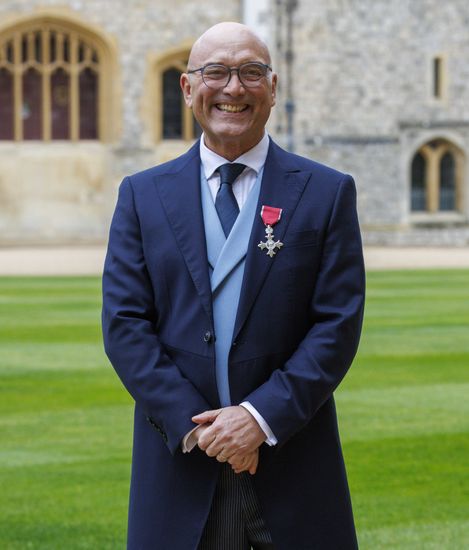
x: 218, y: 76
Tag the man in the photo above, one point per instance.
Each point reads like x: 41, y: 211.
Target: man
x: 231, y: 330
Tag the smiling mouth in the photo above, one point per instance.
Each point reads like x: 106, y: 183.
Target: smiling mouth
x: 227, y: 108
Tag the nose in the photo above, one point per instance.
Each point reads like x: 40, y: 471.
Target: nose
x: 234, y: 86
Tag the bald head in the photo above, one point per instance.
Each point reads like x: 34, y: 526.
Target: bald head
x: 232, y: 36
x: 231, y: 112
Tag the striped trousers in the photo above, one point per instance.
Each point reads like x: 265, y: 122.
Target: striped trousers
x: 235, y: 521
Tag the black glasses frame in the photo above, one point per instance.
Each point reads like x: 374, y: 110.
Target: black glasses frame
x: 230, y: 70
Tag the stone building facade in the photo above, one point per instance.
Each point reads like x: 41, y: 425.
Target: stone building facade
x: 378, y: 85
x: 376, y: 88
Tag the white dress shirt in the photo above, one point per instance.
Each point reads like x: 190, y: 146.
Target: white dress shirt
x: 254, y: 159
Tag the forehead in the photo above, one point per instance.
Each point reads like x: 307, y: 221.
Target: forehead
x: 231, y: 52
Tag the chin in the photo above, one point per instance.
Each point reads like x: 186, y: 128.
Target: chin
x: 233, y: 131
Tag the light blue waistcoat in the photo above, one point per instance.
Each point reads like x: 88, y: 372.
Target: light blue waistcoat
x: 226, y: 258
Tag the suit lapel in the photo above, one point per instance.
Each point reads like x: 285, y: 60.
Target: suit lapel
x: 179, y: 191
x: 282, y: 186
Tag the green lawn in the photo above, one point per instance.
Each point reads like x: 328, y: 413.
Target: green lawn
x: 65, y: 421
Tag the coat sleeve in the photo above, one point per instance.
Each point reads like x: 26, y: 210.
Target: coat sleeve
x: 291, y: 396
x: 129, y: 318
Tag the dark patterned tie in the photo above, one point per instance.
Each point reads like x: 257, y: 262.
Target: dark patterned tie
x: 225, y: 202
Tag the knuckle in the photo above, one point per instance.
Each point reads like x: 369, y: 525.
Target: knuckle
x: 228, y: 438
x: 216, y: 427
x: 224, y: 440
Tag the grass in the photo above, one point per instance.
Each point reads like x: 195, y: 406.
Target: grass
x: 404, y: 413
x: 65, y: 421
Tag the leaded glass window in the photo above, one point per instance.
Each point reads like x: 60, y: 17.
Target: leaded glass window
x: 437, y: 176
x: 418, y: 202
x: 49, y: 84
x: 447, y: 182
x: 172, y: 105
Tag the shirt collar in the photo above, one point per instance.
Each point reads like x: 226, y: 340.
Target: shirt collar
x: 254, y: 158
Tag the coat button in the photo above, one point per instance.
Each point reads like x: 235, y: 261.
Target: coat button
x: 208, y: 337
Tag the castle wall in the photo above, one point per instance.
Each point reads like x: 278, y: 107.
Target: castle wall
x: 362, y: 85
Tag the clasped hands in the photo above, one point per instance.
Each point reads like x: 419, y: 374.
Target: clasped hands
x: 232, y: 435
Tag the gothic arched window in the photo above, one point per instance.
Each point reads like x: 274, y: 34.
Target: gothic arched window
x: 172, y: 107
x: 447, y: 182
x: 174, y: 119
x: 50, y: 83
x: 6, y: 104
x: 437, y: 177
x: 418, y: 182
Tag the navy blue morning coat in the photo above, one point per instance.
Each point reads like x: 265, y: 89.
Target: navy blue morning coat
x: 296, y: 333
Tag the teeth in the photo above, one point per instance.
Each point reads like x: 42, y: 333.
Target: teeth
x: 231, y: 108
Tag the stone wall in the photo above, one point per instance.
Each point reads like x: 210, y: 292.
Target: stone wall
x: 363, y: 66
x: 65, y: 192
x: 363, y: 103
x: 363, y: 94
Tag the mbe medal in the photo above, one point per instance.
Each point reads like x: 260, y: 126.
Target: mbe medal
x: 270, y: 216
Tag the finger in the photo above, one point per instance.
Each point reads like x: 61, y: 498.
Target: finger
x: 207, y: 416
x: 241, y: 469
x: 235, y: 463
x: 205, y: 439
x: 238, y: 465
x: 238, y: 468
x: 254, y: 464
x: 246, y: 463
x: 221, y: 440
x: 221, y: 457
x: 201, y: 428
x: 215, y: 448
x: 232, y: 446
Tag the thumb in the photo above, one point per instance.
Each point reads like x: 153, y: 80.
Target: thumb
x: 207, y: 416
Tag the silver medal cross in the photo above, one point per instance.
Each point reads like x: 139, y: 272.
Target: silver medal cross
x: 270, y: 244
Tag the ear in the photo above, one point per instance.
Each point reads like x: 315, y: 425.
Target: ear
x: 186, y: 89
x: 274, y: 88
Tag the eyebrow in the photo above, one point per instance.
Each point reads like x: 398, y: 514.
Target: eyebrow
x: 250, y: 60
